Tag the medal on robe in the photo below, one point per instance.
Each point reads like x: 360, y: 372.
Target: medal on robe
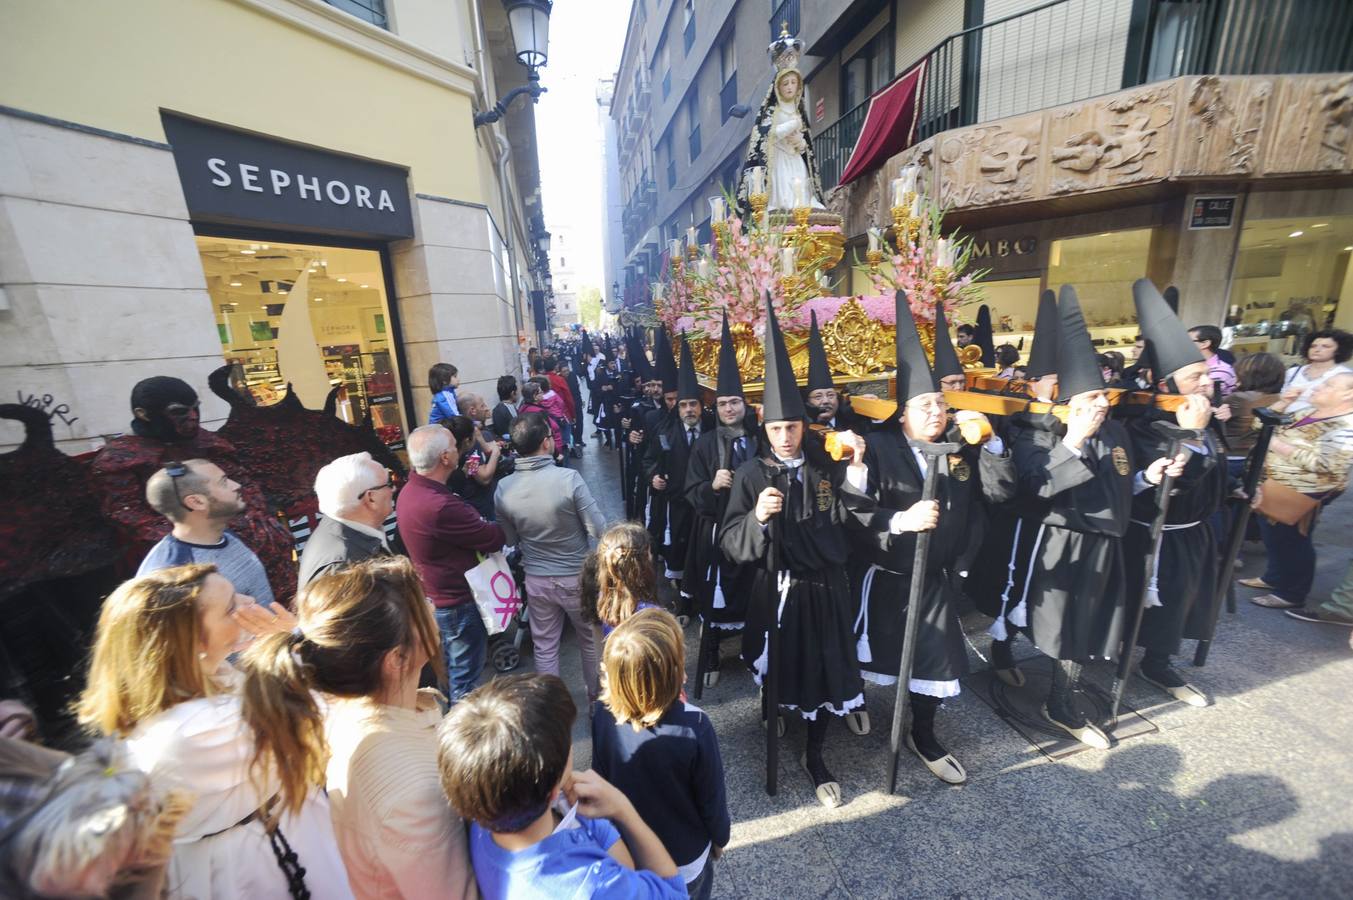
x: 959, y: 468
x: 1120, y: 461
x: 824, y: 495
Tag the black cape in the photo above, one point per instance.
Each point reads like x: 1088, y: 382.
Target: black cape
x: 818, y: 668
x: 882, y: 561
x: 668, y: 455
x: 1070, y: 515
x: 721, y: 587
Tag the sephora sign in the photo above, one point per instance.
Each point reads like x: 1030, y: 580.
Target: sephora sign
x: 238, y: 178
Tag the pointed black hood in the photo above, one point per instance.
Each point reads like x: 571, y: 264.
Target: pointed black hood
x: 1168, y: 346
x: 634, y: 345
x: 914, y: 376
x: 688, y: 388
x: 586, y: 348
x: 665, y: 362
x: 1043, y: 353
x: 730, y: 379
x: 946, y: 357
x: 819, y: 370
x: 782, y: 402
x: 984, y: 337
x: 1077, y: 362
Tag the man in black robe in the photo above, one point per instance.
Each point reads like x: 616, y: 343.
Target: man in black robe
x: 720, y: 587
x: 785, y: 517
x: 881, y: 566
x: 632, y: 419
x: 1067, y: 581
x: 1181, y: 593
x: 665, y: 467
x: 655, y: 511
x: 827, y: 407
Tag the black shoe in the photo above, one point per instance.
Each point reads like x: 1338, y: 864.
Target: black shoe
x: 1003, y: 663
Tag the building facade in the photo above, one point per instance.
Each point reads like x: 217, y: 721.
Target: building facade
x: 176, y: 176
x: 1093, y: 142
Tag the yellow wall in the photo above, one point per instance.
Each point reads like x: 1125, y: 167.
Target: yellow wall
x: 113, y: 65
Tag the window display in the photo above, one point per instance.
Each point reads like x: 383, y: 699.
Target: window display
x: 251, y: 282
x: 1290, y: 277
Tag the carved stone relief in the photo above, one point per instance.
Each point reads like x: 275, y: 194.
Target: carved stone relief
x: 990, y: 164
x: 1110, y: 142
x: 1223, y: 120
x: 1313, y: 128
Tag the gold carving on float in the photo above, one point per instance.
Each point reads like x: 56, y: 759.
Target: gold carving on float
x: 855, y: 343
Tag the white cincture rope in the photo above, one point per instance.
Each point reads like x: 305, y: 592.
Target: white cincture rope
x: 1019, y: 616
x: 1153, y: 587
x: 716, y: 572
x: 997, y: 629
x: 862, y: 651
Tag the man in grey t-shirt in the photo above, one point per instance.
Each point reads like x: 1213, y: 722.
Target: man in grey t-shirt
x: 199, y: 500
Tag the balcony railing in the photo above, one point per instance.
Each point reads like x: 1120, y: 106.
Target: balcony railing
x: 1067, y: 50
x: 786, y: 16
x: 728, y: 96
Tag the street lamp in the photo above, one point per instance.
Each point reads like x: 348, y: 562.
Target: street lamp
x: 543, y: 242
x: 615, y: 289
x: 530, y: 24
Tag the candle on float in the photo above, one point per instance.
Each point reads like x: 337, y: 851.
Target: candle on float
x: 718, y: 210
x: 787, y: 261
x: 702, y: 268
x: 657, y: 290
x: 691, y: 238
x: 799, y: 200
x: 674, y: 248
x: 915, y: 210
x: 944, y: 254
x: 756, y: 180
x: 910, y: 177
x: 875, y: 240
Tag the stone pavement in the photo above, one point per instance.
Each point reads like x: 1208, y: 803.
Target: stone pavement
x: 1250, y: 797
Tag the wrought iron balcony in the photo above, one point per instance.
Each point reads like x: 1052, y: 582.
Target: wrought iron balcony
x: 786, y: 16
x: 1069, y: 50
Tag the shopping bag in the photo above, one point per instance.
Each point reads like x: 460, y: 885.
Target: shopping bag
x: 495, y: 592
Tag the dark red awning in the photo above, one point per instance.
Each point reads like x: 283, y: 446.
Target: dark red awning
x: 889, y: 124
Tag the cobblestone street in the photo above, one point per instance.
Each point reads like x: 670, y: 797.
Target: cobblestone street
x: 1248, y: 797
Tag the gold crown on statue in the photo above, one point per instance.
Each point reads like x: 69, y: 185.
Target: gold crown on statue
x: 785, y: 50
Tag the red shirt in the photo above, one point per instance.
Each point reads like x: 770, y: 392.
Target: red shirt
x: 444, y: 536
x: 560, y: 385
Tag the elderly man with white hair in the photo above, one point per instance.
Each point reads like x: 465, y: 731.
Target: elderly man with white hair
x: 444, y: 536
x: 356, y: 496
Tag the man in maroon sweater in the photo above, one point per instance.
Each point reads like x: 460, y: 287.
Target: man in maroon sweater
x: 444, y: 536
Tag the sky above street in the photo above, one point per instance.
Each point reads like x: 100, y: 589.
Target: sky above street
x: 586, y: 37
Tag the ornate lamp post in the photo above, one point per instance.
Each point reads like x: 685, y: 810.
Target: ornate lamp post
x: 530, y: 24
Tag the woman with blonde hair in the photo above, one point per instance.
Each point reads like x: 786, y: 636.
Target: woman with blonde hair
x: 619, y: 578
x: 363, y: 636
x: 161, y: 679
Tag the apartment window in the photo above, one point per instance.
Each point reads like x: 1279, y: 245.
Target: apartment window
x: 662, y: 63
x: 868, y: 70
x: 665, y: 149
x: 688, y: 29
x: 372, y: 11
x: 693, y: 121
x: 728, y: 77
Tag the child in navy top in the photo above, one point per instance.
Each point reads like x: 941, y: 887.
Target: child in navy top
x: 618, y: 578
x: 538, y: 829
x: 659, y: 750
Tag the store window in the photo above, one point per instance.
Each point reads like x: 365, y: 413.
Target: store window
x: 253, y: 283
x: 1102, y: 268
x: 1291, y: 276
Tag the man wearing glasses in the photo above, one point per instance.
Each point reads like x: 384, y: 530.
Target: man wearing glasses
x: 199, y: 500
x: 356, y: 496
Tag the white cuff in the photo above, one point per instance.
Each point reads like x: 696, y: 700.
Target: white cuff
x: 1074, y: 450
x: 1140, y: 484
x: 857, y: 476
x: 995, y: 445
x: 895, y: 523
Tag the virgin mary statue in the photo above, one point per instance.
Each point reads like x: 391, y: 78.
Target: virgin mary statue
x: 780, y: 144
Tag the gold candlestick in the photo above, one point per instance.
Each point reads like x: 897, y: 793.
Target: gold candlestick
x: 789, y: 286
x: 758, y: 203
x: 801, y: 214
x: 874, y: 257
x: 941, y: 276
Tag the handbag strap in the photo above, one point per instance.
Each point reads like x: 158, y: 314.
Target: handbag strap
x: 289, y: 863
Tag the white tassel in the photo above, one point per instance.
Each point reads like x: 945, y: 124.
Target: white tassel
x: 862, y: 651
x: 1019, y: 616
x: 1153, y: 587
x: 997, y: 629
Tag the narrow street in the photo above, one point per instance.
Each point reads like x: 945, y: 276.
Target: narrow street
x: 1247, y: 797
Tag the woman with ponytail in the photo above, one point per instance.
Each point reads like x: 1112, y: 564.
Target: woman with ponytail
x: 363, y: 637
x: 160, y: 677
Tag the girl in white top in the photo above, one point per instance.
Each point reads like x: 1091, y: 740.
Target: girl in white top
x: 1326, y: 352
x: 363, y: 636
x: 160, y: 678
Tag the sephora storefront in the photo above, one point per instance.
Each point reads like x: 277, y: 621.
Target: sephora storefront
x: 294, y: 246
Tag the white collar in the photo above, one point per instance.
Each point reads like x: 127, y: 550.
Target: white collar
x: 362, y: 528
x: 794, y: 463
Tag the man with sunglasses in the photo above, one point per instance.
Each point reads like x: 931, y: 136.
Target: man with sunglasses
x: 166, y: 428
x: 356, y: 495
x: 199, y: 500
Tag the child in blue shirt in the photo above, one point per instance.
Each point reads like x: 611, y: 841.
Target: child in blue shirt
x: 443, y: 379
x: 538, y: 829
x: 659, y: 750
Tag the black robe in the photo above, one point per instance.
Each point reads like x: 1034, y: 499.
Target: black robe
x: 636, y: 491
x: 669, y: 455
x: 1071, y: 514
x: 817, y: 666
x: 720, y: 586
x: 654, y: 510
x: 882, y: 562
x: 1187, y: 568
